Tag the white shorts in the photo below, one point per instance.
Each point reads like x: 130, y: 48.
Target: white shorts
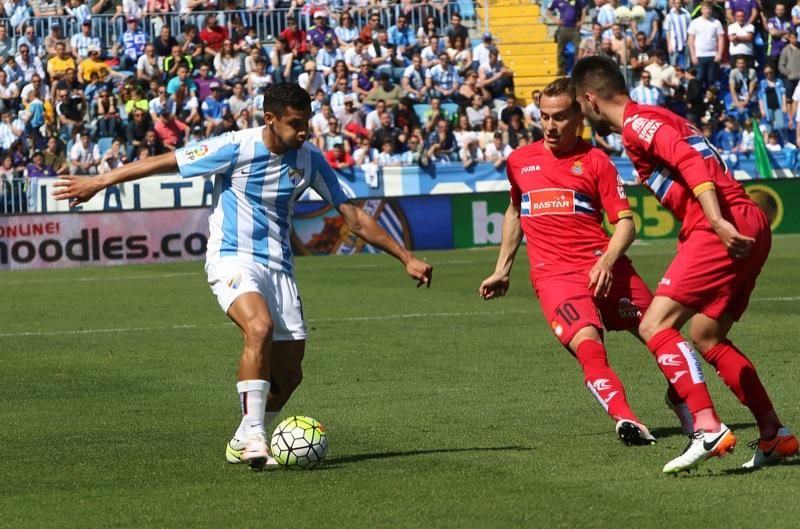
x: 231, y: 277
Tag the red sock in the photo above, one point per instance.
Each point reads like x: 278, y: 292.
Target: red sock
x: 602, y: 381
x: 679, y: 363
x: 739, y: 374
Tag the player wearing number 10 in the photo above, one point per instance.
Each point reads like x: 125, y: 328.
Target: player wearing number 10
x: 559, y: 189
x: 723, y: 243
x: 262, y: 172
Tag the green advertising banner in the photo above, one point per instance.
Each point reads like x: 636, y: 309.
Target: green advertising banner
x: 478, y: 218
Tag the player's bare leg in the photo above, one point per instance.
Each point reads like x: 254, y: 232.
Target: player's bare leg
x: 678, y: 361
x: 587, y: 346
x: 286, y: 365
x: 251, y: 314
x: 710, y: 337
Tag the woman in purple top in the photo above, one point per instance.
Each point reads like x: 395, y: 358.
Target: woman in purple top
x: 37, y: 167
x: 571, y: 14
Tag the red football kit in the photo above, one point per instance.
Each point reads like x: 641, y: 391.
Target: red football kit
x: 560, y: 199
x: 675, y: 161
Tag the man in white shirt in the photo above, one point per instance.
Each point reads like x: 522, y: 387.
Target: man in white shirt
x: 354, y: 56
x: 430, y: 53
x: 497, y: 151
x: 311, y: 80
x: 706, y: 44
x: 413, y: 81
x: 664, y: 76
x: 741, y: 35
x: 84, y: 156
x: 607, y: 17
x: 480, y: 53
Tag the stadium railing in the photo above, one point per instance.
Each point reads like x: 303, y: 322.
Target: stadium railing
x: 268, y: 23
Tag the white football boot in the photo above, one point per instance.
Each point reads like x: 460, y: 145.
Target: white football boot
x: 253, y: 451
x: 774, y: 451
x: 702, y: 446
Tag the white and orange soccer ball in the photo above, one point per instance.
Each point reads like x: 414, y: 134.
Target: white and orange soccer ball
x: 299, y: 443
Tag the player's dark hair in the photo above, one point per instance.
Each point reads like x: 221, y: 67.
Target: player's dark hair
x: 279, y: 96
x: 599, y: 75
x: 561, y: 86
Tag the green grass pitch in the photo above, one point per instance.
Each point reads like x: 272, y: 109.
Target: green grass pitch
x: 118, y: 396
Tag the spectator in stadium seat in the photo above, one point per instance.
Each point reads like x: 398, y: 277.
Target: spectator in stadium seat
x: 205, y: 80
x: 213, y: 35
x: 742, y: 83
x: 175, y: 60
x: 60, y: 62
x: 132, y: 42
x: 281, y: 60
x: 385, y: 90
x: 38, y: 168
x: 29, y: 64
x: 7, y: 46
x: 469, y: 88
x: 571, y: 14
x: 477, y: 111
x: 148, y: 66
x: 789, y: 64
x: 295, y: 37
x: 94, y: 64
x: 455, y: 29
x: 402, y: 36
x: 33, y: 41
x: 480, y: 53
x: 432, y: 116
x: 214, y: 108
x: 109, y: 125
x: 165, y: 41
x: 370, y: 30
x: 663, y: 75
x: 346, y: 31
x: 311, y: 80
x: 54, y: 156
x: 415, y: 154
x: 340, y: 92
x: 319, y: 123
x: 18, y: 13
x: 495, y: 77
x: 333, y: 136
x: 706, y: 44
x: 182, y: 79
x: 190, y: 42
x: 413, y: 81
x: 460, y: 55
x: 84, y: 156
x: 36, y: 85
x: 351, y: 120
x: 727, y: 141
x: 321, y: 30
x: 364, y: 81
x: 741, y: 36
x: 373, y: 119
x: 365, y: 153
x: 137, y: 101
x: 238, y: 101
x: 471, y: 153
x: 622, y: 45
x: 9, y: 93
x: 645, y: 93
x: 355, y: 55
x: 441, y: 143
x: 113, y: 158
x: 516, y: 135
x: 430, y: 28
x: 404, y: 116
x: 136, y: 129
x: 772, y: 102
x: 498, y: 151
x: 443, y: 80
x: 81, y: 42
x: 591, y: 45
x: 328, y: 56
x: 171, y: 131
x: 430, y: 53
x: 339, y: 158
x: 54, y: 37
x: 676, y: 29
x: 510, y: 108
x: 388, y: 132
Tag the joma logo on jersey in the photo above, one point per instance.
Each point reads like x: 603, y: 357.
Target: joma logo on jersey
x: 548, y: 202
x: 530, y: 169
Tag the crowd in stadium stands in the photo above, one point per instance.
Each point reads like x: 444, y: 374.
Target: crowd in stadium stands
x: 384, y: 92
x: 728, y: 66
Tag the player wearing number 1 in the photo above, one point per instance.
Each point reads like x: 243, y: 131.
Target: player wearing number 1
x: 723, y: 244
x: 559, y: 188
x: 261, y: 173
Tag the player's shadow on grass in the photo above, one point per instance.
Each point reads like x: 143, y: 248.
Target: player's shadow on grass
x: 358, y: 458
x: 742, y: 471
x: 669, y: 431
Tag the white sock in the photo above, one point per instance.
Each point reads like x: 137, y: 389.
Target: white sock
x: 269, y: 421
x: 253, y: 397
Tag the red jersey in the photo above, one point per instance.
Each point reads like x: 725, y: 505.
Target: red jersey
x: 560, y: 199
x: 677, y: 163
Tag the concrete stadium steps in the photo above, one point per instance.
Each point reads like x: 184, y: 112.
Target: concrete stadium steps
x: 525, y: 43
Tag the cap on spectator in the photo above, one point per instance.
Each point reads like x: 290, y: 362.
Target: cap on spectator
x: 349, y: 98
x: 55, y: 24
x: 87, y: 21
x: 487, y: 36
x: 214, y: 86
x: 321, y: 14
x: 132, y: 19
x: 93, y: 47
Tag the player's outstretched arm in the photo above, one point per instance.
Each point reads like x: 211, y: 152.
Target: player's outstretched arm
x: 79, y: 189
x: 497, y: 284
x: 365, y: 227
x: 600, y: 276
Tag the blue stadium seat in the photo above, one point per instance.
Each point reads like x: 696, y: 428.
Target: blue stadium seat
x: 450, y: 108
x: 104, y: 144
x: 467, y: 9
x: 420, y: 109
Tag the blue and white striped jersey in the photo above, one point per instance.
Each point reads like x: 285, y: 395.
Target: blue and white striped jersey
x: 253, y: 206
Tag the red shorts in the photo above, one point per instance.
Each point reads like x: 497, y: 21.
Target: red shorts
x: 704, y: 277
x: 569, y: 304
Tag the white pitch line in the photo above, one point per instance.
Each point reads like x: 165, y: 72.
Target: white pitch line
x: 311, y: 320
x: 99, y: 278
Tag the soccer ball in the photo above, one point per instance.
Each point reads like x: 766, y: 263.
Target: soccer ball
x: 299, y: 442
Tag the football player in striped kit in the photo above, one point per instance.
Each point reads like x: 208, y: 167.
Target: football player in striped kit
x: 249, y: 261
x: 723, y: 244
x: 560, y: 187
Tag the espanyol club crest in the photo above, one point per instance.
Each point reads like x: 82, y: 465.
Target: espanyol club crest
x: 577, y: 168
